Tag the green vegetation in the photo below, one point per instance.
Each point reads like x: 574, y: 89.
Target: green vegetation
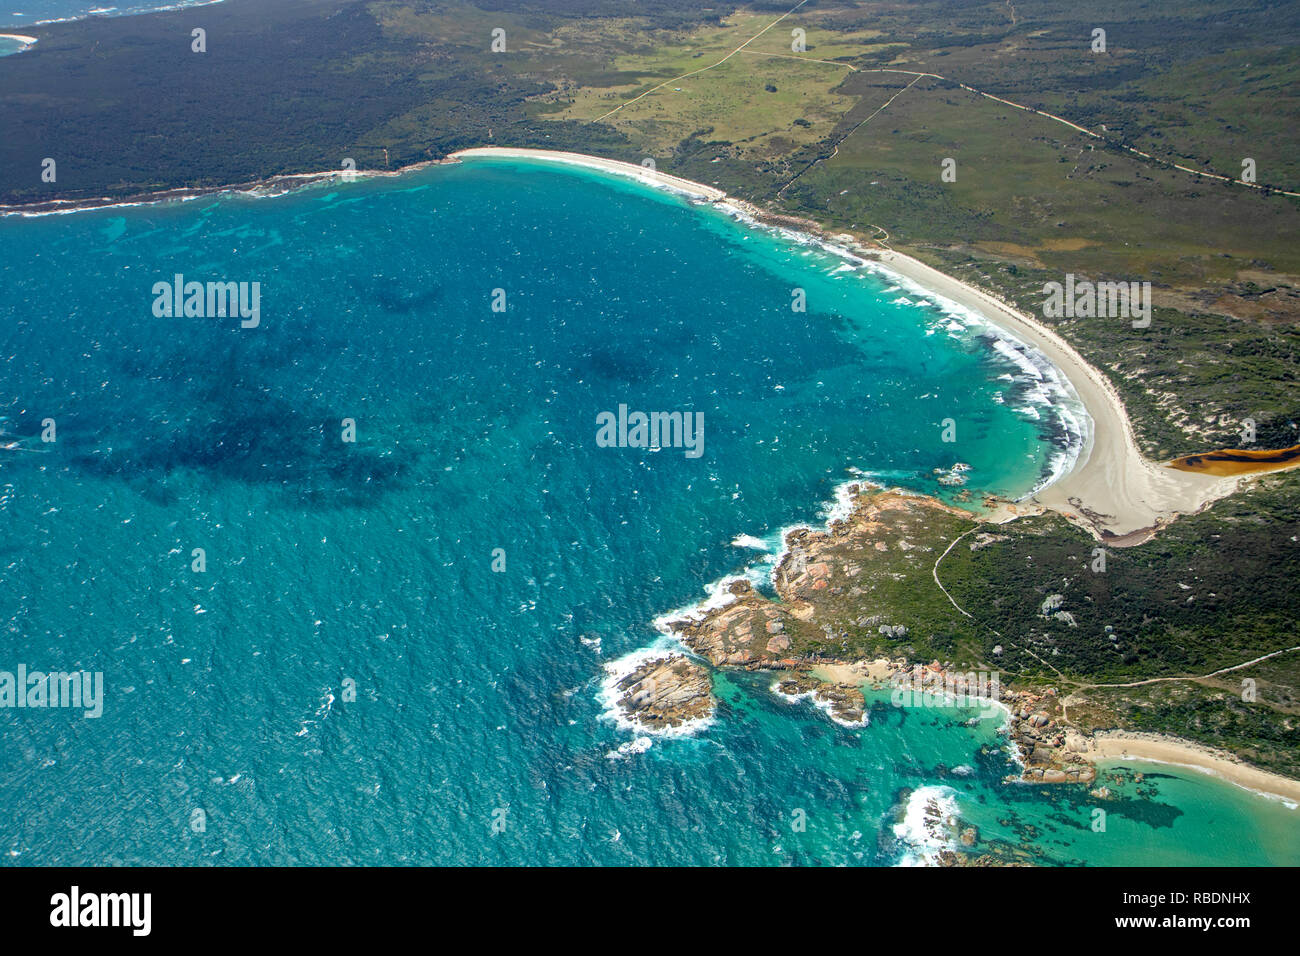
x: 1151, y: 637
x: 125, y: 107
x: 1212, y: 591
x: 1261, y: 732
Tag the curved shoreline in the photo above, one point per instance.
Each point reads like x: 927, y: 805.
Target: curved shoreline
x: 26, y: 42
x: 1110, y: 471
x: 1112, y: 489
x: 618, y: 167
x: 891, y: 267
x: 1110, y: 748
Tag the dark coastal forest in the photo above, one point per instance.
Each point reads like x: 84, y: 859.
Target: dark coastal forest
x: 283, y: 87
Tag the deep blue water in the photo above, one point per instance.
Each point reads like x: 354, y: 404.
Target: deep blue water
x: 372, y: 562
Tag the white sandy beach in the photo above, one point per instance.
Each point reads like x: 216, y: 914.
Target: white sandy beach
x: 1112, y: 490
x: 875, y: 671
x: 617, y: 167
x: 1117, y: 747
x: 26, y: 41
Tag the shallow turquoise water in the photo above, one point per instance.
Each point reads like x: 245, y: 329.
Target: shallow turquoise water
x: 476, y: 431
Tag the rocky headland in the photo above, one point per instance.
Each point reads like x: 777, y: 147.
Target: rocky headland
x: 825, y: 582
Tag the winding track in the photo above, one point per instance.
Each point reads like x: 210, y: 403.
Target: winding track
x: 1080, y: 685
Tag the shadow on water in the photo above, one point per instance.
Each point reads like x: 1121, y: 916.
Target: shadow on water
x: 227, y: 425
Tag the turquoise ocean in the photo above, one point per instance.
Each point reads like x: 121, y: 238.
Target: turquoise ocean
x: 370, y: 565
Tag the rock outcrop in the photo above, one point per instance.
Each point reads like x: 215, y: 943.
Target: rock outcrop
x: 666, y: 692
x: 846, y: 704
x: 1047, y: 746
x: 825, y: 582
